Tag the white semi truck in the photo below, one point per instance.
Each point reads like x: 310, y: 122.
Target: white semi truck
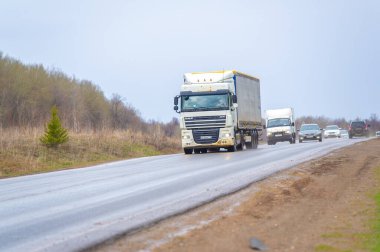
x: 280, y: 125
x: 220, y: 109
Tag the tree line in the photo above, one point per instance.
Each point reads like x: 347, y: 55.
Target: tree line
x: 343, y: 123
x: 28, y: 92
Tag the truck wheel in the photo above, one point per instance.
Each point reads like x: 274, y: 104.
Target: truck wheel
x: 242, y: 142
x: 255, y: 140
x: 204, y: 150
x: 249, y: 145
x: 188, y: 151
x: 234, y: 147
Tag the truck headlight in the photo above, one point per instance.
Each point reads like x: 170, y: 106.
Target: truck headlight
x: 226, y: 135
x: 269, y: 133
x: 287, y: 132
x: 185, y: 136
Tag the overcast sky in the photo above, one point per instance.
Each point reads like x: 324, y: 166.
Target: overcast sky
x: 319, y: 57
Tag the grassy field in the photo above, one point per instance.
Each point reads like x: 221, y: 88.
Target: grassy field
x: 373, y: 239
x: 367, y: 241
x: 21, y: 152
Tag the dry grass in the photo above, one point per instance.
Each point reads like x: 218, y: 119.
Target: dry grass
x: 21, y: 152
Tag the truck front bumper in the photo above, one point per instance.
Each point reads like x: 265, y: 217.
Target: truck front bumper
x: 208, y: 138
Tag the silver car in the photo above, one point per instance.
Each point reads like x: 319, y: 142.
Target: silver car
x: 344, y: 133
x: 331, y: 131
x: 310, y: 132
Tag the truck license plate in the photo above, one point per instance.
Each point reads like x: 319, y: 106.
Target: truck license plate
x: 278, y: 135
x: 206, y: 137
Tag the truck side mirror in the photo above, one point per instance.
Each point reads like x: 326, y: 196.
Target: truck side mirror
x: 234, y: 99
x: 175, y: 107
x: 176, y: 101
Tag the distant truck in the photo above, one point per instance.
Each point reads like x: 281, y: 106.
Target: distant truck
x: 280, y: 125
x: 220, y: 109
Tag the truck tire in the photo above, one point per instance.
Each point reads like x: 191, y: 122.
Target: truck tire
x: 249, y: 145
x: 255, y: 140
x: 239, y: 147
x: 232, y: 148
x: 197, y: 151
x: 188, y: 151
x: 242, y: 142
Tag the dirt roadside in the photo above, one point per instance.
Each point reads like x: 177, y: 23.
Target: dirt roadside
x: 320, y: 205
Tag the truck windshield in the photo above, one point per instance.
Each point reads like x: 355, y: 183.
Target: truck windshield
x: 205, y: 102
x: 278, y: 122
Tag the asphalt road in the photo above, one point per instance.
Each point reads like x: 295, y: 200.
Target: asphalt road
x: 73, y: 209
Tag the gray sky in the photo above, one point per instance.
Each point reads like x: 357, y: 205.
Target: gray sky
x: 320, y: 57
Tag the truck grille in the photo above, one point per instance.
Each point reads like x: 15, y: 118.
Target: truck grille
x: 206, y: 136
x: 200, y: 122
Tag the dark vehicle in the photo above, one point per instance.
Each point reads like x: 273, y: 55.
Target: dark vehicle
x: 310, y: 132
x: 358, y: 128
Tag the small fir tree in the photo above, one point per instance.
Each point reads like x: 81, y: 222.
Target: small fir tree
x: 55, y: 134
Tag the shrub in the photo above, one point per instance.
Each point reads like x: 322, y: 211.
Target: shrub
x: 55, y: 134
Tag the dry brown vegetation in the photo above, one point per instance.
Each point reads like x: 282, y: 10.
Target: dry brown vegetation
x: 21, y: 152
x: 100, y: 129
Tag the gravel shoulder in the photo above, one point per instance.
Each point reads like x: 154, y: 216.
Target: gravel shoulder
x: 316, y: 206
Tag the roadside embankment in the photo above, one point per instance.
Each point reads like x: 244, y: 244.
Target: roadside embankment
x: 21, y: 152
